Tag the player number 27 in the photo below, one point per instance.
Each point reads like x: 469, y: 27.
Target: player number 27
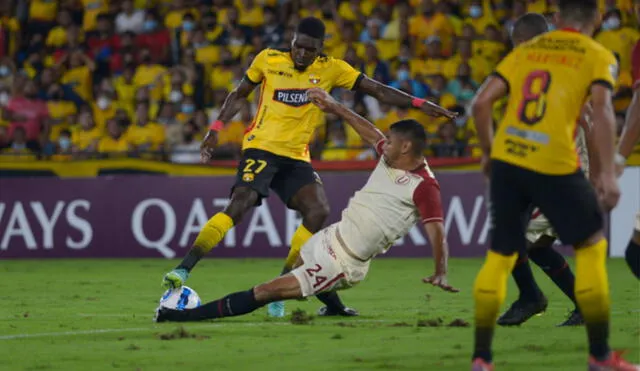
x: 251, y: 162
x: 534, y: 97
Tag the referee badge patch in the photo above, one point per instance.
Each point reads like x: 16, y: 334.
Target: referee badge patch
x: 247, y: 177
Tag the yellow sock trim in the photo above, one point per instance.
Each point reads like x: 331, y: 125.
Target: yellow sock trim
x: 299, y: 238
x: 592, y: 283
x: 213, y: 232
x: 490, y: 288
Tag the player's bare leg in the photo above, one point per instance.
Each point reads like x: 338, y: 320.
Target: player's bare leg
x: 282, y: 288
x: 242, y: 200
x: 311, y: 201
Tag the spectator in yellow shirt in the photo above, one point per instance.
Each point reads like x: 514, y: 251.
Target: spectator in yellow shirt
x: 147, y: 75
x: 61, y: 112
x: 617, y: 38
x: 114, y: 144
x: 79, y: 74
x: 91, y: 10
x: 145, y: 135
x: 435, y: 62
x: 250, y: 15
x: 336, y: 146
x: 42, y: 14
x: 10, y: 27
x: 19, y: 149
x: 431, y: 23
x: 492, y: 48
x: 222, y: 75
x: 126, y: 89
x: 398, y: 28
x: 479, y: 66
x: 174, y: 19
x: 355, y: 10
x: 480, y: 15
x: 86, y: 135
x: 57, y: 37
x: 104, y: 108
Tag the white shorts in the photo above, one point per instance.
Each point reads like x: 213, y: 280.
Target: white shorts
x: 326, y: 266
x: 539, y: 226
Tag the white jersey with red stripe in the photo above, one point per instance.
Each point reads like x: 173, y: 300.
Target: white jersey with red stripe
x: 384, y: 210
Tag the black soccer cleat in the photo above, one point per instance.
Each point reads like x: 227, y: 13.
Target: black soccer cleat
x: 520, y: 312
x: 346, y: 312
x: 574, y: 319
x: 163, y: 314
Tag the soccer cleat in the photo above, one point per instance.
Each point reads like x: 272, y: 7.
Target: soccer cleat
x: 615, y: 362
x: 480, y: 365
x: 521, y: 311
x: 160, y: 315
x: 276, y: 309
x: 176, y: 278
x: 346, y: 312
x: 574, y: 319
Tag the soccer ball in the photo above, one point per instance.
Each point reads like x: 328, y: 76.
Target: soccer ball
x: 180, y: 298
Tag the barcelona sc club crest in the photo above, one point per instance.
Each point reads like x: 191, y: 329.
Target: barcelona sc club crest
x: 247, y: 177
x: 314, y: 79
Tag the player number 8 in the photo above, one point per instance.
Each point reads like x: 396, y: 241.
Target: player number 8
x: 249, y: 167
x: 534, y: 97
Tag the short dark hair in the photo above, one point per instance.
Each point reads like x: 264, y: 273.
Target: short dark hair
x: 413, y: 131
x: 312, y: 27
x: 529, y: 26
x: 578, y: 10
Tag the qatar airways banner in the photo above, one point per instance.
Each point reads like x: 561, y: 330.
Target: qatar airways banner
x: 157, y: 216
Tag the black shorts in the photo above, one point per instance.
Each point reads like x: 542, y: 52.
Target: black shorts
x: 261, y: 170
x: 568, y: 201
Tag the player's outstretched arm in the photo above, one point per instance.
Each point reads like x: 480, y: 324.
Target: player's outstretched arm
x: 229, y: 108
x: 367, y: 131
x: 493, y: 89
x: 438, y: 241
x: 395, y: 97
x: 604, y: 135
x: 631, y: 133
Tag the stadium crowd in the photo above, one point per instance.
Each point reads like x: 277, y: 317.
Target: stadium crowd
x: 144, y: 78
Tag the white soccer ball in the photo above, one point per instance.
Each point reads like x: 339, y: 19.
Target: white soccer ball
x: 180, y: 298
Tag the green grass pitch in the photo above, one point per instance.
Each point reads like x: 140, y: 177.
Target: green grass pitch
x: 96, y: 315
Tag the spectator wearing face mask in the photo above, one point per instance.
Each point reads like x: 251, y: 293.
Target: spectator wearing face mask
x: 187, y: 150
x: 619, y: 39
x: 61, y: 112
x: 7, y: 71
x: 145, y: 135
x: 85, y: 136
x: 463, y: 87
x: 480, y: 15
x: 115, y: 143
x: 403, y: 74
x: 187, y: 109
x: 155, y: 38
x: 19, y: 149
x: 175, y: 17
x: 104, y: 108
x: 62, y: 150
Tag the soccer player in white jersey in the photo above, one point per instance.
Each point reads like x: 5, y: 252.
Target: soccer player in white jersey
x: 400, y: 192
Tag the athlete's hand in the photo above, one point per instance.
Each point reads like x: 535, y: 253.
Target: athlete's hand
x: 440, y: 280
x: 322, y: 99
x: 208, y: 146
x: 435, y: 110
x: 609, y: 191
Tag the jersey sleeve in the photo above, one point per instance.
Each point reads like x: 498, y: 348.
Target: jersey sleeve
x: 506, y: 67
x: 346, y: 76
x: 605, y: 70
x: 427, y: 200
x: 255, y: 72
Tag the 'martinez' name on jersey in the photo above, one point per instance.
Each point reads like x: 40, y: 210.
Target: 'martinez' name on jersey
x: 286, y: 121
x: 292, y: 97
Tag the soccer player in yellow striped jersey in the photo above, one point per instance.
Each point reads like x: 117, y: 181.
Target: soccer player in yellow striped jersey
x: 532, y: 162
x: 275, y: 148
